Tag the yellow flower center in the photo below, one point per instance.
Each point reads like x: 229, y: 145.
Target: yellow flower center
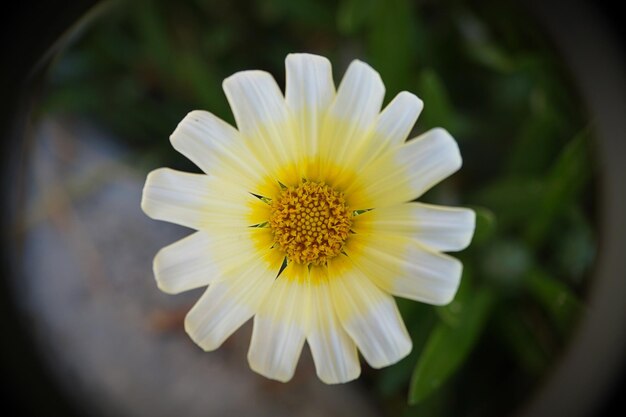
x: 310, y: 222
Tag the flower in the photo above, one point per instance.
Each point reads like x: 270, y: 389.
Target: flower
x: 305, y: 219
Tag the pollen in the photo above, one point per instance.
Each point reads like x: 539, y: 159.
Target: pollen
x: 310, y: 222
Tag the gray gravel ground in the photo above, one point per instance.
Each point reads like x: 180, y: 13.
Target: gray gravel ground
x: 115, y: 343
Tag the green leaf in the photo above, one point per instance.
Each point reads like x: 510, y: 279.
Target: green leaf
x: 453, y: 312
x: 392, y: 378
x: 521, y: 339
x: 153, y: 33
x: 436, y: 405
x: 539, y: 139
x: 490, y: 56
x: 479, y: 45
x: 506, y: 262
x: 556, y: 299
x: 439, y: 110
x: 352, y: 15
x: 576, y: 247
x: 566, y: 181
x: 391, y: 42
x: 200, y: 79
x: 420, y: 319
x: 306, y: 12
x: 485, y: 225
x: 448, y: 346
x: 514, y: 201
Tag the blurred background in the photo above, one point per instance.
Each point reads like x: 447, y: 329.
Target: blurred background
x: 109, y: 343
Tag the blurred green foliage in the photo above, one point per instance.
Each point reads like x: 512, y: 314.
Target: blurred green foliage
x: 451, y: 339
x: 485, y: 72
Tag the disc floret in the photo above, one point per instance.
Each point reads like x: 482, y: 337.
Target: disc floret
x: 310, y: 222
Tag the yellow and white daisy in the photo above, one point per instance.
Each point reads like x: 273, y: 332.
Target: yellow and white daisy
x: 305, y: 219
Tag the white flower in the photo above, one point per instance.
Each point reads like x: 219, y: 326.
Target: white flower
x: 305, y: 222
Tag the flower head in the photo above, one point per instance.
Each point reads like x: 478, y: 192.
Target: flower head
x: 305, y: 219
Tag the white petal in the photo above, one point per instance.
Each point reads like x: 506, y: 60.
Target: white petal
x: 309, y: 92
x: 397, y: 119
x: 280, y: 326
x: 217, y: 148
x: 403, y: 267
x: 349, y: 119
x: 360, y: 96
x: 264, y: 121
x: 183, y: 265
x: 227, y: 304
x: 406, y: 172
x: 391, y: 128
x: 334, y: 352
x: 205, y: 257
x: 438, y: 227
x: 195, y: 200
x: 370, y: 316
